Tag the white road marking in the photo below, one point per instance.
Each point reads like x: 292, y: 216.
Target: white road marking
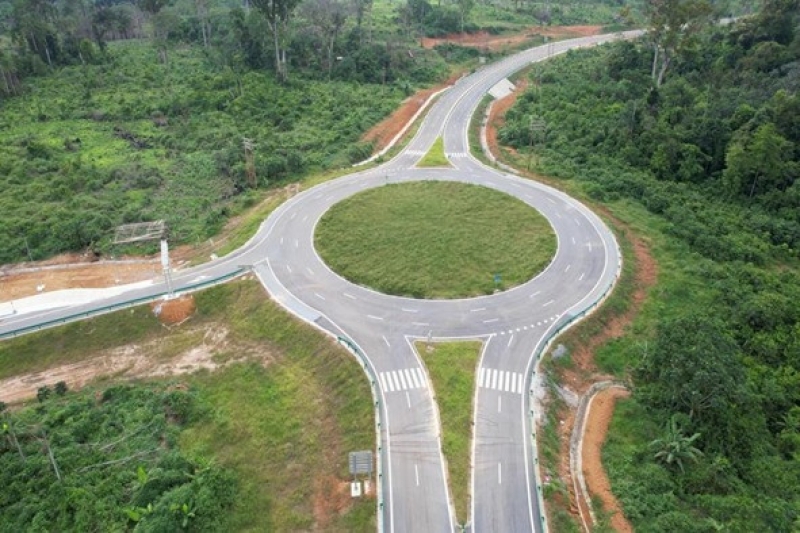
x: 578, y: 222
x: 318, y: 295
x: 416, y: 473
x: 551, y: 200
x: 410, y: 310
x: 296, y: 243
x: 548, y: 303
x: 581, y: 278
x: 421, y: 377
x: 311, y: 272
x: 558, y: 214
x: 499, y: 473
x: 289, y: 269
x: 501, y: 380
x: 402, y: 379
x: 477, y: 309
x: 511, y: 338
x: 293, y: 215
x: 537, y: 293
x: 396, y: 381
x: 386, y: 341
x: 420, y: 323
x: 415, y: 379
x: 589, y: 245
x: 305, y: 218
x: 491, y: 320
x: 281, y: 241
x: 573, y: 240
x: 346, y: 295
x: 567, y: 269
x: 407, y: 373
x: 373, y: 317
x: 499, y: 404
x: 408, y: 399
x: 382, y: 378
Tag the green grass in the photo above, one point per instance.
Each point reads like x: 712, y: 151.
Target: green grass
x: 435, y: 156
x: 435, y: 239
x: 451, y: 366
x: 284, y: 427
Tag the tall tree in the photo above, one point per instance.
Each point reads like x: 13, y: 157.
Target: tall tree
x: 328, y: 17
x: 674, y: 24
x: 277, y: 13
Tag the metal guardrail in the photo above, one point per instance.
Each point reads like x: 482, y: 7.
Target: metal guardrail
x: 551, y: 336
x: 117, y: 306
x: 373, y: 379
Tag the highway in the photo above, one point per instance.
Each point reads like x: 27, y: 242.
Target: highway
x: 514, y: 324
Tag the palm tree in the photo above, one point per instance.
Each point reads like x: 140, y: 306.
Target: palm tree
x: 675, y: 448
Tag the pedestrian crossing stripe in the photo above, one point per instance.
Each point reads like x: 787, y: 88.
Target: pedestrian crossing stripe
x: 457, y: 154
x: 501, y: 380
x: 415, y: 152
x: 400, y: 380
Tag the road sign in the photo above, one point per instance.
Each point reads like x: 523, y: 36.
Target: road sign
x: 361, y: 462
x: 497, y: 278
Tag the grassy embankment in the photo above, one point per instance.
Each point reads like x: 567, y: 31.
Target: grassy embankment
x: 435, y: 239
x: 451, y: 366
x: 284, y: 427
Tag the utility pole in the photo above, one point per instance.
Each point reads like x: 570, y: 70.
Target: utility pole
x: 165, y: 265
x: 249, y: 162
x: 537, y: 126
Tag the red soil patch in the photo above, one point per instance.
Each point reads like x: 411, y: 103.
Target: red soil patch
x: 594, y: 435
x: 383, y: 132
x: 493, y: 43
x: 497, y: 115
x: 174, y: 310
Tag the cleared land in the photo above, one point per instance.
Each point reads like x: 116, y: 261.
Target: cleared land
x: 288, y: 404
x: 451, y: 366
x: 435, y: 240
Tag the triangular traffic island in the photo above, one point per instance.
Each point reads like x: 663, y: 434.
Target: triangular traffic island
x: 451, y: 367
x: 435, y: 158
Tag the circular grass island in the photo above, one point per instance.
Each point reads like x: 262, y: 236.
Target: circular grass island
x: 435, y: 239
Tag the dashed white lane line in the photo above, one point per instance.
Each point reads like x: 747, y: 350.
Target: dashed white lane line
x: 346, y: 295
x: 408, y: 399
x: 567, y: 269
x: 416, y: 474
x: 499, y: 473
x: 510, y: 340
x: 420, y: 324
x: 537, y: 293
x: 551, y: 200
x: 547, y: 303
x: 573, y: 240
x: 406, y: 310
x: 305, y: 218
x: 477, y: 310
x: 289, y: 269
x: 499, y: 404
x: 386, y: 341
x: 489, y: 321
x: 578, y: 222
x: 293, y: 215
x: 310, y: 272
x: 296, y: 243
x: 281, y: 241
x: 589, y: 245
x: 318, y: 295
x: 373, y: 317
x: 581, y: 278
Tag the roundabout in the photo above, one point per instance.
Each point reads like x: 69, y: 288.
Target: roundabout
x: 435, y: 239
x: 515, y: 325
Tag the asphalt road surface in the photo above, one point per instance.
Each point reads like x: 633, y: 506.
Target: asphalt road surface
x: 513, y: 324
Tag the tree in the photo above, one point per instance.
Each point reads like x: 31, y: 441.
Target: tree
x: 277, y: 13
x: 43, y: 393
x: 328, y: 17
x: 758, y: 163
x: 61, y: 388
x: 674, y: 24
x: 675, y: 448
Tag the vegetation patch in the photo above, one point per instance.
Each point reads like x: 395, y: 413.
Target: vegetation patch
x: 279, y: 427
x: 451, y: 366
x: 435, y: 240
x: 435, y: 156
